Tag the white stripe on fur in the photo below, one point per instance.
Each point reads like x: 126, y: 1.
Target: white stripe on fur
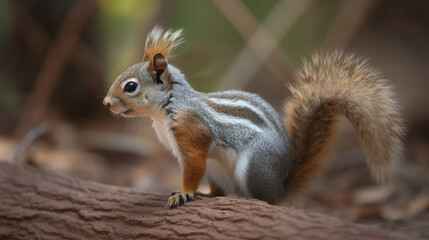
x: 240, y: 173
x: 240, y: 103
x: 227, y: 119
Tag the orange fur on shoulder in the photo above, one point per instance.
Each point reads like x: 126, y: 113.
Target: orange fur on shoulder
x: 161, y: 41
x: 193, y: 139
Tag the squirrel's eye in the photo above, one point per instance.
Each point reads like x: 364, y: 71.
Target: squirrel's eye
x: 130, y: 87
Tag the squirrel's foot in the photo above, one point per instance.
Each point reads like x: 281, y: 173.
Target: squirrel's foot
x: 207, y: 195
x: 175, y: 192
x: 179, y: 198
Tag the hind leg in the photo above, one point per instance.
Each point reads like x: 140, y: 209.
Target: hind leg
x: 266, y: 173
x: 215, y: 190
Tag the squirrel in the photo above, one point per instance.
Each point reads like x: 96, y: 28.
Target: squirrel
x: 239, y: 142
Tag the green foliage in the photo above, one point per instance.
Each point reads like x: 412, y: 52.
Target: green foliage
x: 5, y: 21
x: 8, y: 94
x: 122, y: 23
x: 307, y: 34
x: 211, y: 42
x: 261, y: 9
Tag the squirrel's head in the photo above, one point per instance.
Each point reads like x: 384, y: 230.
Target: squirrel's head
x: 140, y: 90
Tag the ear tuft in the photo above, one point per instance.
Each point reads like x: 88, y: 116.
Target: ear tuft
x: 160, y: 42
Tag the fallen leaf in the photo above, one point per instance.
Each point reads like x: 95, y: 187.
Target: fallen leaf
x: 365, y: 212
x: 373, y: 195
x: 394, y: 213
x: 418, y: 205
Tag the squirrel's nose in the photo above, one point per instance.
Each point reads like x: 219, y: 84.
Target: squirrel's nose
x: 106, y: 102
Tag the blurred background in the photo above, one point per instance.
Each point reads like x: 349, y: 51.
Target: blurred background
x: 60, y: 57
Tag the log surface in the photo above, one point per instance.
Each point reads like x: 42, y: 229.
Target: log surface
x: 39, y: 204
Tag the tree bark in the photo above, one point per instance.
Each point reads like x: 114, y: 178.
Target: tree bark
x: 39, y: 204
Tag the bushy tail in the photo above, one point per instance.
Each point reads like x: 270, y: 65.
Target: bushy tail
x: 329, y: 85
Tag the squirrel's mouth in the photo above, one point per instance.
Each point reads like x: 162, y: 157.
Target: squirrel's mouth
x: 127, y: 113
x: 122, y: 110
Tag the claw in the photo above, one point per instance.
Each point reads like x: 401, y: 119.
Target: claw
x: 175, y: 192
x: 178, y: 199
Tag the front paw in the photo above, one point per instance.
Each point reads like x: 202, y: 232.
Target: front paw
x: 180, y: 198
x: 175, y: 192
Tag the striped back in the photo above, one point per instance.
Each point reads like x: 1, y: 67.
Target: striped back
x: 236, y: 116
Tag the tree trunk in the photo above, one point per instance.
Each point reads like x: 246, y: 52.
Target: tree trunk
x: 38, y: 204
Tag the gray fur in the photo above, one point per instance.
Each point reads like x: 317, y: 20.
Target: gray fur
x: 269, y: 149
x: 255, y: 152
x: 262, y: 148
x: 244, y: 129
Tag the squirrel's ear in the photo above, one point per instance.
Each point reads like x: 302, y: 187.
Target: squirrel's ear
x: 159, y: 62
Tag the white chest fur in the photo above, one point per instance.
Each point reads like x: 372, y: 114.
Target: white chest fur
x: 227, y: 169
x: 225, y: 166
x: 162, y: 128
